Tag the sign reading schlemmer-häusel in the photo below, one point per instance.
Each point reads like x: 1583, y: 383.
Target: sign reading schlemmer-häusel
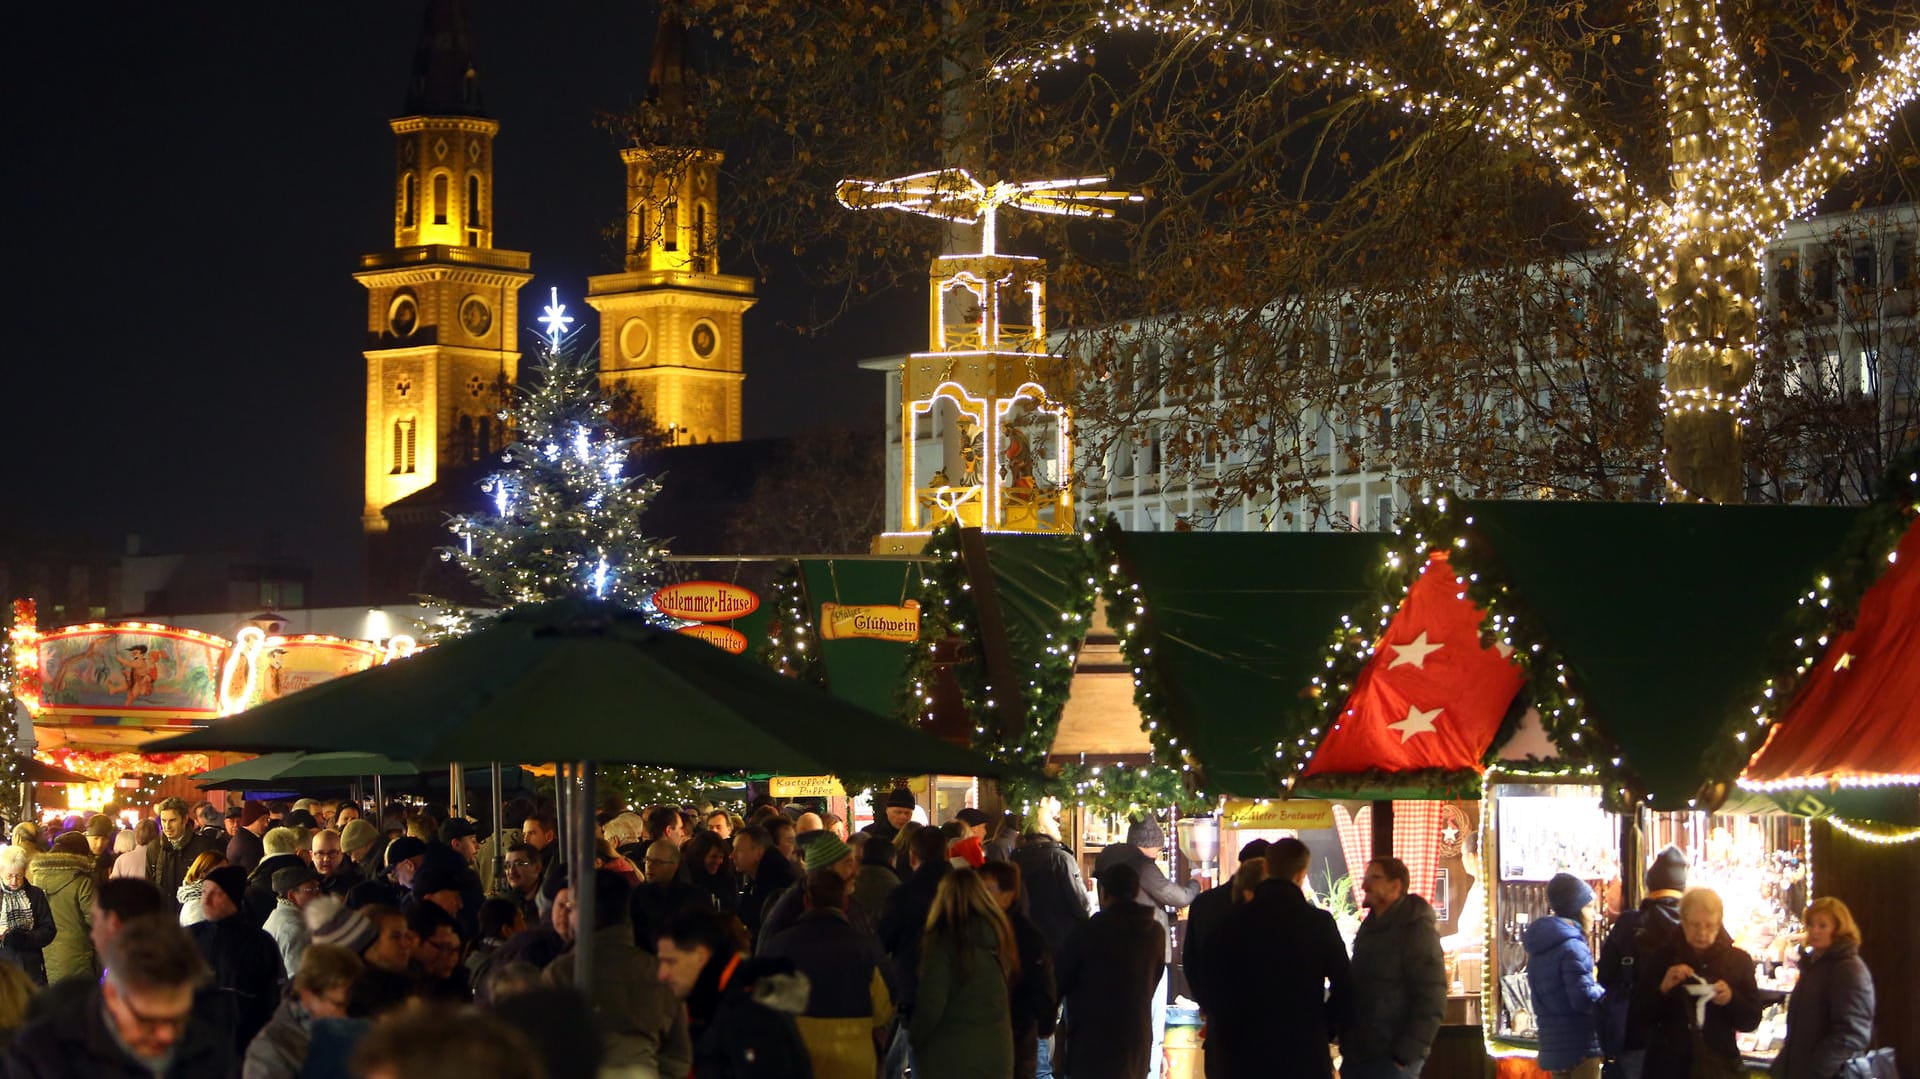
x: 840, y: 622
x: 705, y: 601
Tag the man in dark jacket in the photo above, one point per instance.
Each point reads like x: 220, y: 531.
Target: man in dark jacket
x: 1141, y: 853
x: 169, y: 857
x: 338, y: 873
x: 897, y: 811
x: 1109, y: 972
x: 1635, y: 934
x: 1274, y: 980
x: 1035, y: 997
x: 247, y: 971
x: 764, y: 874
x: 905, y: 918
x: 739, y: 1011
x: 1399, y: 980
x: 786, y: 909
x: 138, y: 1022
x: 1207, y: 914
x: 848, y: 1002
x: 643, y: 1027
x: 1050, y: 887
x: 282, y: 846
x: 245, y: 848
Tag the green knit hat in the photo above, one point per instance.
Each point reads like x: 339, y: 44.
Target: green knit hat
x: 827, y: 850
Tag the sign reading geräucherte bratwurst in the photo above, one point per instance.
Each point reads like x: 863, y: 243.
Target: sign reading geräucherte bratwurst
x: 705, y: 601
x: 879, y: 622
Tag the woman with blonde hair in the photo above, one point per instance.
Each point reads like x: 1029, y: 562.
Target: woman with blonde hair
x: 133, y: 863
x: 194, y: 882
x: 962, y: 1023
x: 26, y: 919
x: 1830, y: 1014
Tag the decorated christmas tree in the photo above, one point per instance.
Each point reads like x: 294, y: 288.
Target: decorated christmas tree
x: 567, y: 506
x: 566, y: 522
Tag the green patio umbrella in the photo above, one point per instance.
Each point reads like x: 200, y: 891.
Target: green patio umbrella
x: 578, y: 682
x: 582, y: 681
x: 266, y: 771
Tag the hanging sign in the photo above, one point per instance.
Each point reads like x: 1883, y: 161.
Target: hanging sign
x: 806, y: 787
x: 840, y: 622
x: 726, y: 640
x: 1297, y: 815
x: 705, y: 601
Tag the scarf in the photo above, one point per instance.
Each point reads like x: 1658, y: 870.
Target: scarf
x: 16, y: 909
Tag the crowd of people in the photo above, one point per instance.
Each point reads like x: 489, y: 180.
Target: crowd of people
x: 318, y: 939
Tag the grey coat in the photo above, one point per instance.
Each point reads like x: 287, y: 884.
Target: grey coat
x: 1829, y: 1015
x: 1399, y: 988
x: 279, y: 1051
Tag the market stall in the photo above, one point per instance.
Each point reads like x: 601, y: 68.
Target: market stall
x: 1618, y: 742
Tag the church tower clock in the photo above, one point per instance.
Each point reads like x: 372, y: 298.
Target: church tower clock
x: 670, y: 323
x: 442, y: 305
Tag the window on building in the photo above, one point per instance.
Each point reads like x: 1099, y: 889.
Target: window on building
x: 1900, y: 268
x: 469, y: 451
x: 1786, y: 280
x: 670, y: 226
x: 1383, y: 432
x: 1383, y: 512
x: 1865, y: 266
x: 403, y: 447
x: 1825, y: 277
x: 411, y: 432
x: 638, y: 232
x: 476, y: 221
x: 440, y: 199
x: 702, y: 248
x: 406, y: 200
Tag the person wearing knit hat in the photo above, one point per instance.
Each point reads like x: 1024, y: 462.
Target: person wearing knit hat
x: 826, y: 852
x: 895, y: 812
x: 245, y: 849
x: 1637, y: 934
x: 1141, y: 853
x: 294, y: 887
x: 1560, y: 974
x: 100, y: 835
x: 331, y: 922
x: 358, y: 841
x: 246, y: 964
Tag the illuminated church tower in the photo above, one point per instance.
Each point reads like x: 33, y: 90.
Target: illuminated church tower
x: 670, y: 322
x: 443, y: 304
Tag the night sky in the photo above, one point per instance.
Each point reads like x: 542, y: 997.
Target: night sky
x: 188, y: 187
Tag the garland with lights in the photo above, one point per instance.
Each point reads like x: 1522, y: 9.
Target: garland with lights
x: 1178, y: 779
x: 1827, y: 607
x: 947, y: 611
x: 1353, y: 645
x: 21, y: 630
x: 639, y: 787
x: 789, y: 646
x: 1434, y: 523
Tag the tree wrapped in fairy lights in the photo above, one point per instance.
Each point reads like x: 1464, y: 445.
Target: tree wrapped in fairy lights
x: 566, y: 510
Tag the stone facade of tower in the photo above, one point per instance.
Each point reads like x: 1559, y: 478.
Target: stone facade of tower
x: 670, y: 323
x: 443, y: 303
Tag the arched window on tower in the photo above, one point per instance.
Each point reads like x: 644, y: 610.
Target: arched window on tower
x: 403, y: 447
x: 670, y: 226
x: 469, y: 451
x: 702, y: 245
x: 440, y: 199
x: 637, y: 227
x: 486, y: 436
x: 476, y: 221
x: 406, y: 200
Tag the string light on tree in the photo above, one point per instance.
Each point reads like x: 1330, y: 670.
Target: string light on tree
x: 1698, y: 245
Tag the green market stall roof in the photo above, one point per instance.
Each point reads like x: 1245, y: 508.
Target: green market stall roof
x: 1225, y: 631
x: 1648, y: 626
x: 864, y: 671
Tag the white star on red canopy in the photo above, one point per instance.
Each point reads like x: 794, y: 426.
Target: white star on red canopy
x: 1414, y: 653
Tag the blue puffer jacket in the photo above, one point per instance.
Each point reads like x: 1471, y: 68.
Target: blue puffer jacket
x: 1566, y: 998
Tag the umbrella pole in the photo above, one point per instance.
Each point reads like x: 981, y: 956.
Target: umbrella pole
x: 499, y: 826
x: 456, y: 789
x: 379, y: 801
x: 582, y: 878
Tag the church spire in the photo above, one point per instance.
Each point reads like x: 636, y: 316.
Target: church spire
x: 669, y: 79
x: 444, y: 82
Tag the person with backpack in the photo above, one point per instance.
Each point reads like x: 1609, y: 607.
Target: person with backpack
x: 1636, y: 934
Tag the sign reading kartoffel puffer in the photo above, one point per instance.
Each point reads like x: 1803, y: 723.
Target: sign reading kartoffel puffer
x: 1296, y: 816
x: 840, y: 622
x: 726, y: 640
x: 806, y: 787
x: 705, y: 601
